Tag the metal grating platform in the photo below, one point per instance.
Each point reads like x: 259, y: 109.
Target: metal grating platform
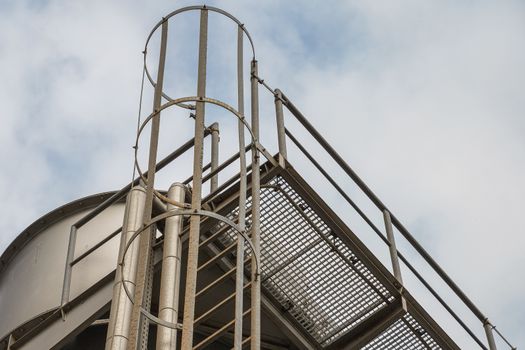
x: 406, y: 333
x: 322, y: 283
x: 310, y: 271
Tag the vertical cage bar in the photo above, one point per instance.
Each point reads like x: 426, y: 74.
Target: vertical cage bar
x: 281, y: 136
x: 215, y: 138
x: 138, y: 329
x: 170, y: 273
x: 256, y: 177
x: 193, y: 242
x: 392, y: 246
x: 121, y: 306
x: 239, y: 272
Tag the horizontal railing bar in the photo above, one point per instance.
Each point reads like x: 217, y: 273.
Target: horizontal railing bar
x: 223, y: 165
x: 219, y: 168
x: 204, y: 168
x: 384, y: 239
x: 360, y: 183
x: 334, y: 184
x: 118, y: 195
x: 96, y: 246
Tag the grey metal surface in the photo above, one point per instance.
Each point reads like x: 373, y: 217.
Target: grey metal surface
x: 405, y: 334
x: 255, y: 321
x: 332, y: 292
x: 31, y: 282
x: 324, y: 286
x: 193, y: 242
x: 170, y: 273
x: 121, y: 306
x: 239, y: 272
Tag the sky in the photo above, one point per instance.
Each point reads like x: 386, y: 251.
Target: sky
x: 424, y: 99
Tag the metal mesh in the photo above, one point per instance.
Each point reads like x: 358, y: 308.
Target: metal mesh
x: 314, y: 275
x: 404, y: 334
x: 308, y: 270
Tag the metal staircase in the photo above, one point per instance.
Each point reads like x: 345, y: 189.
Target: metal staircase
x: 262, y: 261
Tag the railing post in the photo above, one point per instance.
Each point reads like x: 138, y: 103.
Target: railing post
x: 392, y: 247
x: 281, y: 136
x: 490, y: 335
x: 215, y: 138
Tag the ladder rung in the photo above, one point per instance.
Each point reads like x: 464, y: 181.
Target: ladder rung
x: 218, y: 332
x: 214, y: 236
x: 218, y: 256
x: 210, y: 311
x: 220, y: 279
x: 244, y: 342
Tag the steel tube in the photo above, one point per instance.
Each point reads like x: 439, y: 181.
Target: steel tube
x: 490, y: 336
x: 281, y: 137
x: 392, y: 246
x: 360, y: 183
x: 255, y: 315
x: 121, y: 307
x: 215, y: 138
x: 170, y: 273
x: 239, y: 272
x: 193, y: 241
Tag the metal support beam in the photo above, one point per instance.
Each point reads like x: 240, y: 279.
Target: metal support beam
x: 392, y: 247
x: 256, y: 229
x: 170, y: 275
x: 138, y: 329
x: 193, y: 242
x: 119, y: 320
x: 490, y: 336
x: 215, y: 139
x: 281, y: 136
x: 239, y: 272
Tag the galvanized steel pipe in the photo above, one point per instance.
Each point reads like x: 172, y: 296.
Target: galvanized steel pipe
x: 120, y: 315
x: 170, y: 274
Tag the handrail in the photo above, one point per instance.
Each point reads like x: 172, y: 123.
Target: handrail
x: 382, y: 207
x: 70, y: 259
x: 379, y: 204
x: 384, y: 239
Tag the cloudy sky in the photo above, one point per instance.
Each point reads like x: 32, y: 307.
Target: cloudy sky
x: 425, y: 99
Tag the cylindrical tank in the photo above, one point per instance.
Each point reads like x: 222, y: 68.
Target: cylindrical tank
x: 32, y: 267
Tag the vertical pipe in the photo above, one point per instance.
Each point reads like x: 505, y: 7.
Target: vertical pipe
x: 121, y: 306
x: 256, y: 177
x: 215, y: 138
x: 170, y: 276
x: 193, y: 242
x: 281, y: 136
x: 392, y: 246
x: 490, y: 335
x: 68, y: 270
x: 139, y: 330
x: 239, y: 272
